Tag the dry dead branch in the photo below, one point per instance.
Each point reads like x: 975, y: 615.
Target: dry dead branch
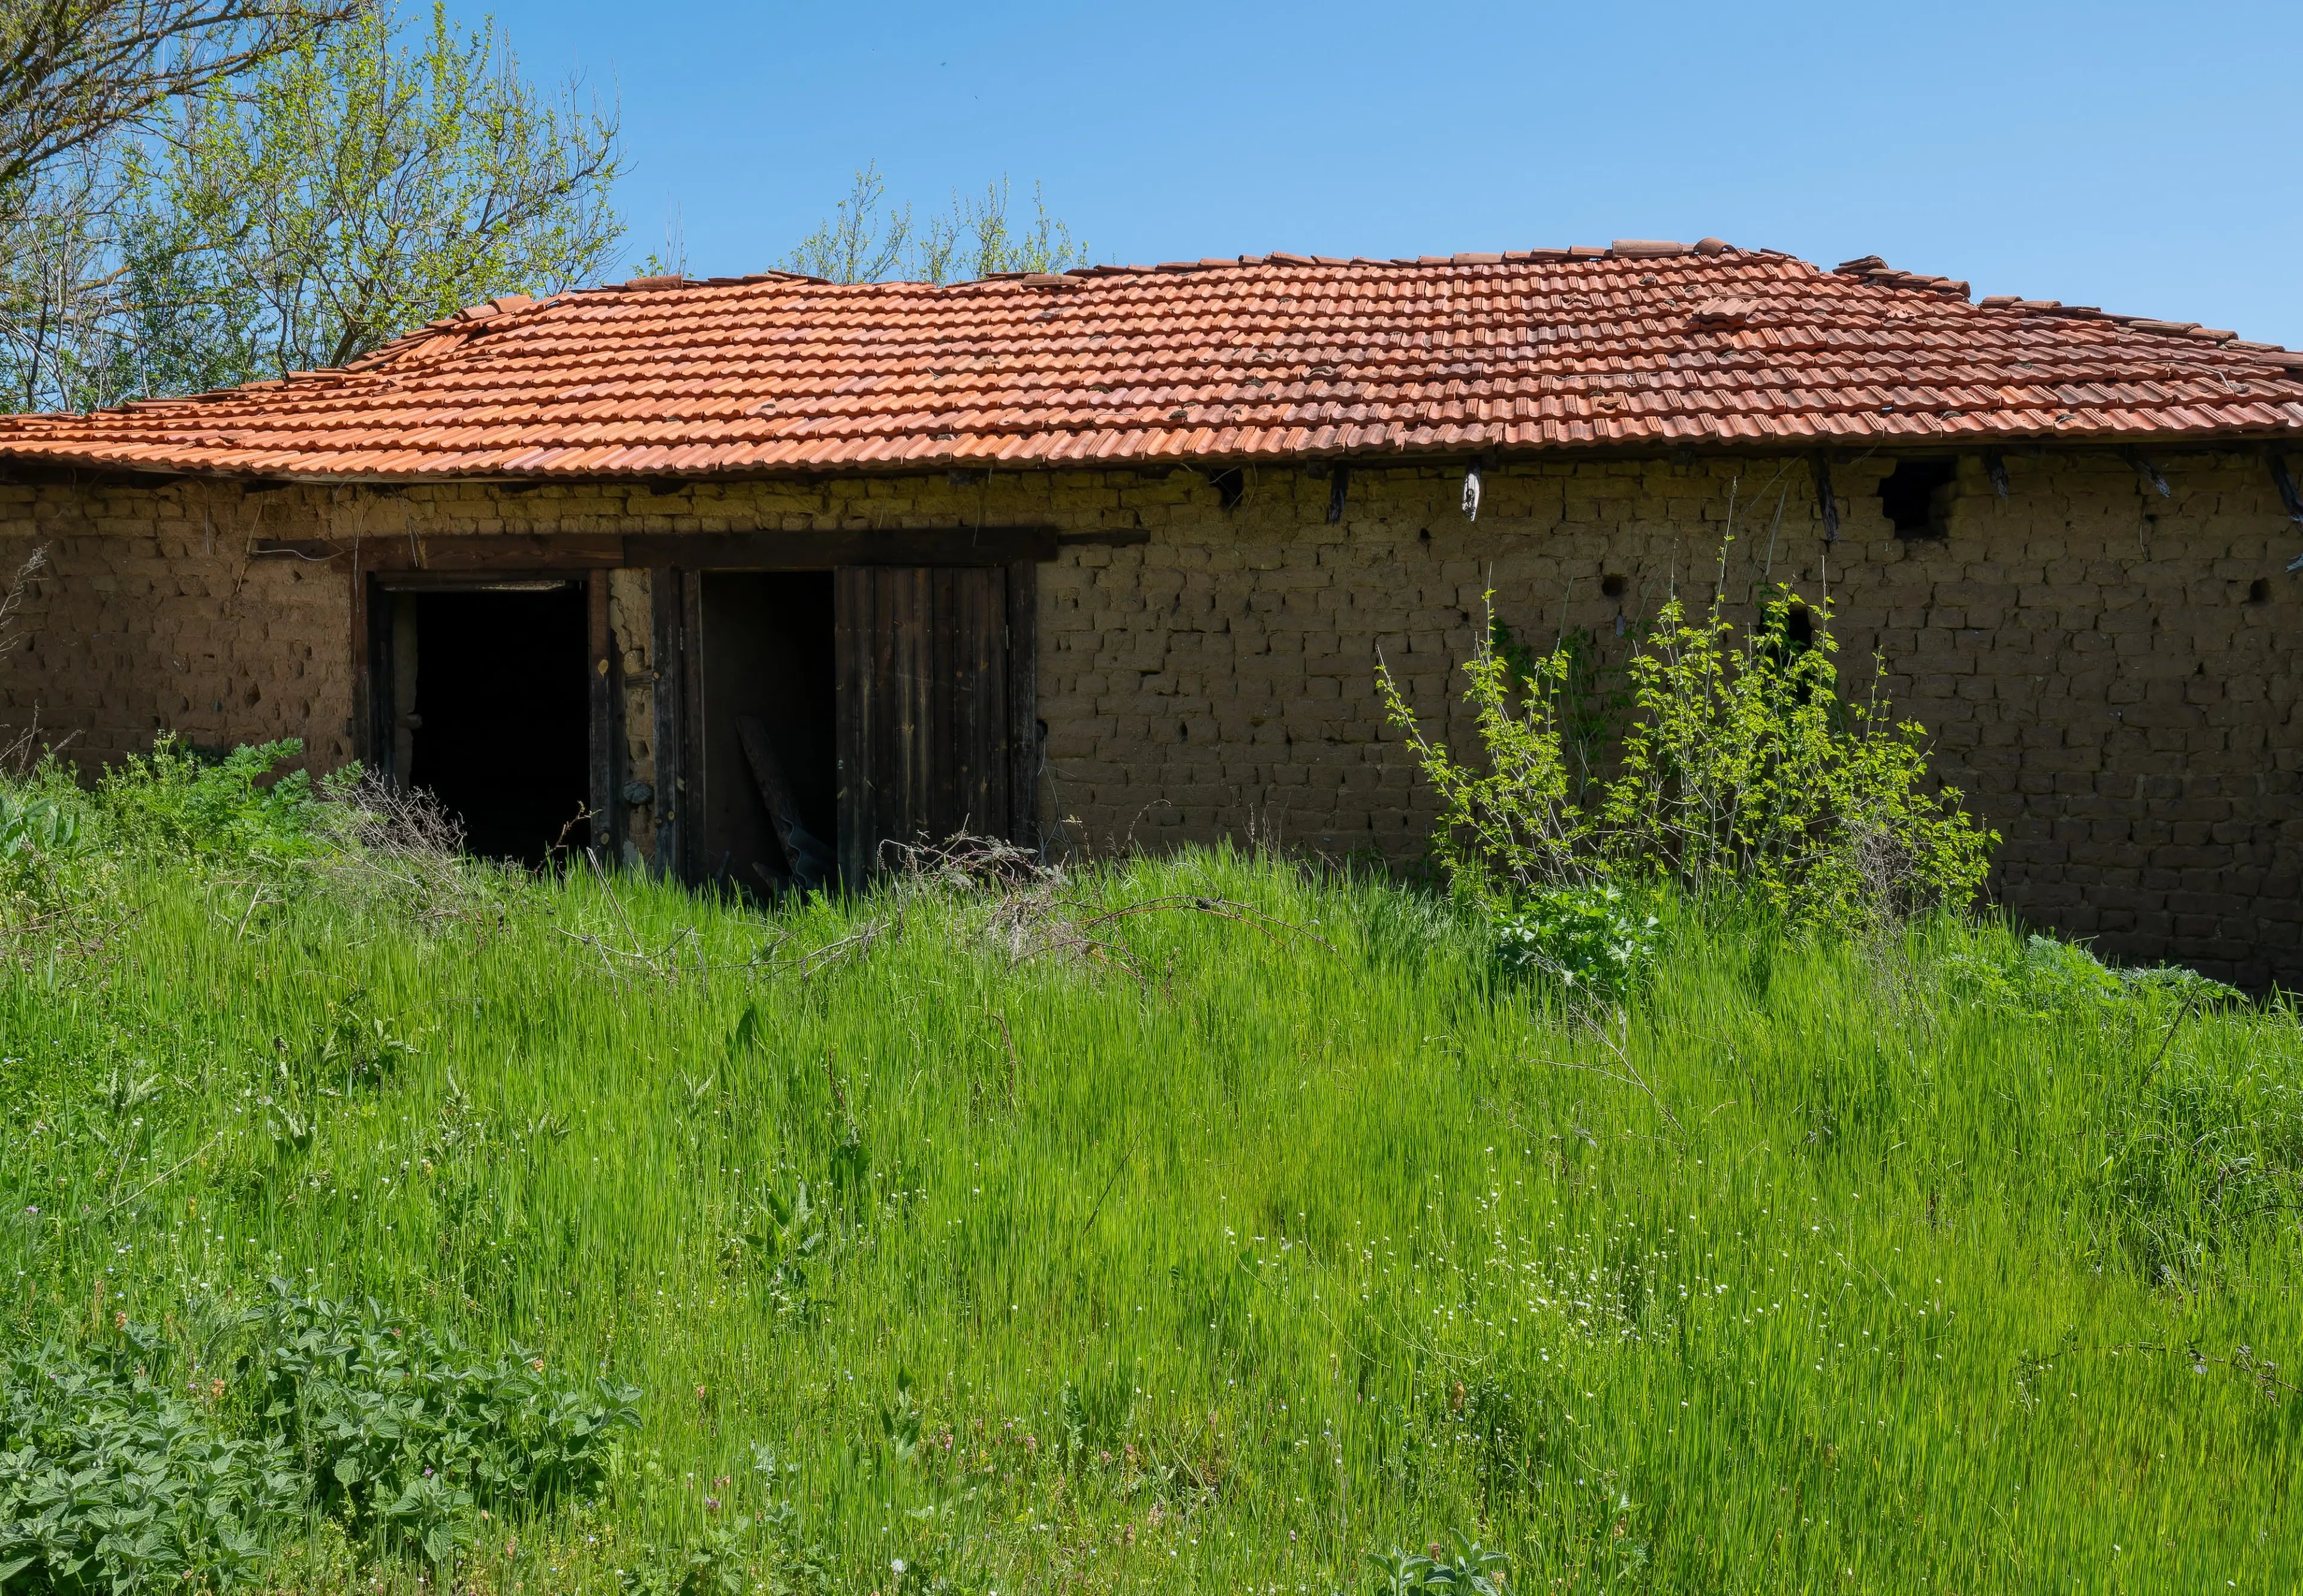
x: 1626, y: 1074
x: 12, y: 600
x: 72, y: 934
x: 1033, y: 910
x: 399, y: 847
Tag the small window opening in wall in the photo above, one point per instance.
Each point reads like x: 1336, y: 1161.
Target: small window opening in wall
x: 1917, y: 497
x: 1786, y: 636
x: 1613, y: 586
x: 2258, y: 591
x: 1230, y: 488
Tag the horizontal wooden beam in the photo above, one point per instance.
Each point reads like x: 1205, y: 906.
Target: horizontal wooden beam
x: 821, y: 551
x: 573, y: 552
x: 692, y: 550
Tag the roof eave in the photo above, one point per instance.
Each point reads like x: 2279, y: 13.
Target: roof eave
x: 42, y: 461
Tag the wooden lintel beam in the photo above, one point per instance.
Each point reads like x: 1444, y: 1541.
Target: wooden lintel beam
x: 571, y: 551
x: 691, y: 551
x: 822, y: 551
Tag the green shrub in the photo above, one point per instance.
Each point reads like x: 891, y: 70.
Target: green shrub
x: 2046, y: 979
x: 232, y: 811
x: 406, y: 1434
x: 109, y: 1483
x: 42, y: 839
x: 127, y: 1465
x: 1474, y: 1570
x: 1742, y: 775
x: 1518, y: 826
x: 1590, y: 940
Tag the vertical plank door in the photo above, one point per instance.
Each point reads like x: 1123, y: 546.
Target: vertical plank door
x: 924, y: 735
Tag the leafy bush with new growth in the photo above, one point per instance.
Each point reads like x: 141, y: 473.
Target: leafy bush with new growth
x: 70, y: 856
x: 110, y: 1481
x: 172, y: 801
x: 1590, y: 940
x: 40, y: 839
x: 2042, y: 978
x: 1742, y: 776
x: 408, y: 1436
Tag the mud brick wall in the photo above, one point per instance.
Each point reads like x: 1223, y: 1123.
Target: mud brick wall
x: 2108, y: 674
x: 149, y: 616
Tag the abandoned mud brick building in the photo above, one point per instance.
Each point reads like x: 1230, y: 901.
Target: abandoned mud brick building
x: 756, y: 572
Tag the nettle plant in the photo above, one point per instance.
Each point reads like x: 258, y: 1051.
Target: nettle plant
x: 1742, y: 774
x: 132, y: 1461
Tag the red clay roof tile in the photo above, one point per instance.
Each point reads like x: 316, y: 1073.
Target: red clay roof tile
x: 1272, y: 357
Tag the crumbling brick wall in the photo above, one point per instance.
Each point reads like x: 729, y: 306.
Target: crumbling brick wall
x: 2109, y: 675
x: 2106, y: 672
x: 148, y: 615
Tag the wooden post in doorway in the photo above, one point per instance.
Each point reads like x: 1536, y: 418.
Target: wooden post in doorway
x: 600, y: 672
x: 667, y: 660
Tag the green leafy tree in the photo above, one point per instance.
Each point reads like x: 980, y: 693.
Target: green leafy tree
x: 867, y: 241
x: 73, y: 72
x: 356, y: 185
x: 81, y: 80
x: 348, y: 184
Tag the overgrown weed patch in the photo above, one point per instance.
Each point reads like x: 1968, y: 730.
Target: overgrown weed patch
x: 1272, y: 1240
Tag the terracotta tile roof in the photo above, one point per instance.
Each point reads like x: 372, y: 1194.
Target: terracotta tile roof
x: 1266, y: 358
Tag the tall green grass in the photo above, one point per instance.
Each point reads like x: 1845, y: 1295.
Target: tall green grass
x: 1226, y: 1259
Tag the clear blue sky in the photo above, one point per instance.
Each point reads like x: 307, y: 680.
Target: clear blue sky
x: 2144, y: 158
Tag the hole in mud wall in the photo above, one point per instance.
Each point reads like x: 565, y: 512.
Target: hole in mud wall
x: 2258, y: 591
x: 1916, y: 496
x: 499, y: 726
x: 1613, y: 586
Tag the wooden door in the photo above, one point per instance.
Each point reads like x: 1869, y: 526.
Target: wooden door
x: 924, y: 707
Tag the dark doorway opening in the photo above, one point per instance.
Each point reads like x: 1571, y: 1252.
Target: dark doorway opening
x: 769, y: 809
x: 490, y: 711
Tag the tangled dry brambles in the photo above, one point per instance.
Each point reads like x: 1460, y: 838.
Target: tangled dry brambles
x: 1038, y: 909
x: 401, y: 848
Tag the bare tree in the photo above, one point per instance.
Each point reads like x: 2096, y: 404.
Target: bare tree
x: 862, y: 243
x: 74, y: 72
x: 58, y: 282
